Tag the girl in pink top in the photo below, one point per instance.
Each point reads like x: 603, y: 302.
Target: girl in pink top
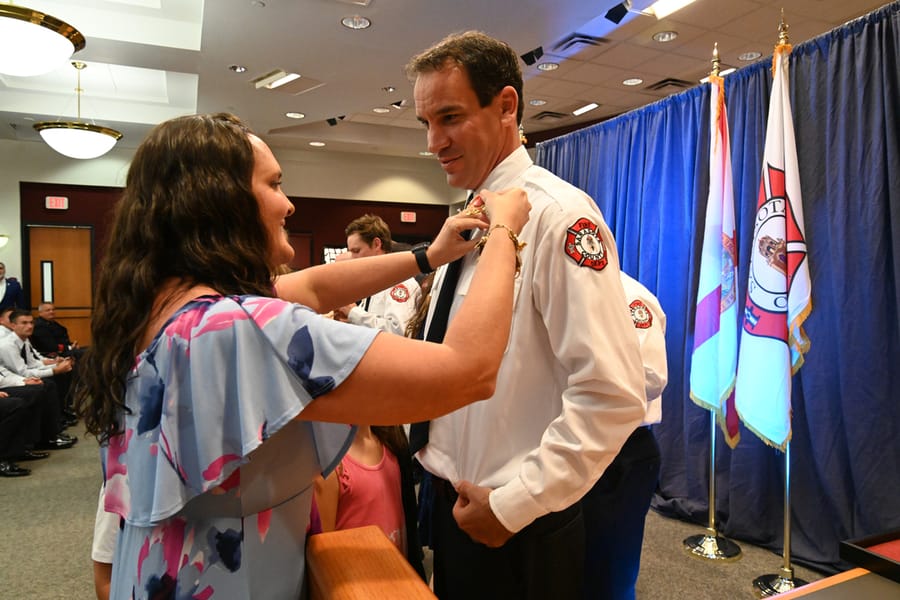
x: 372, y: 485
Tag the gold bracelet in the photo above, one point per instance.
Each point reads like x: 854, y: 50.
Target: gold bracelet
x: 513, y: 238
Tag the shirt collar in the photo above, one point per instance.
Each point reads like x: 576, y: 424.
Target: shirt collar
x: 509, y: 169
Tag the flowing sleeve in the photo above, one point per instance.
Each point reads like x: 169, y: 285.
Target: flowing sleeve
x: 223, y: 376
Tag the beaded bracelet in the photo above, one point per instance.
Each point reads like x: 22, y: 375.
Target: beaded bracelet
x: 513, y: 238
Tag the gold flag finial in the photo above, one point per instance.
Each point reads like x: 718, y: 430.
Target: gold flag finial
x: 783, y: 30
x: 715, y: 60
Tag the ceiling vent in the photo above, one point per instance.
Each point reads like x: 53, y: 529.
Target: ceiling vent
x: 575, y: 42
x: 549, y: 115
x: 670, y: 84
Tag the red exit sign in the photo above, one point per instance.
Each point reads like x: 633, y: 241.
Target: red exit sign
x: 407, y: 216
x: 56, y: 202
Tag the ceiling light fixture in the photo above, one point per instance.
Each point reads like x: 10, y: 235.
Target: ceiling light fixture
x: 237, y: 68
x: 426, y: 153
x: 275, y: 79
x: 294, y: 115
x: 586, y: 108
x: 77, y: 139
x: 618, y: 12
x: 633, y: 81
x: 389, y: 89
x: 537, y: 102
x: 381, y: 110
x: 663, y: 8
x: 34, y: 43
x: 748, y: 56
x: 664, y: 36
x: 548, y: 66
x: 356, y: 22
x: 317, y: 144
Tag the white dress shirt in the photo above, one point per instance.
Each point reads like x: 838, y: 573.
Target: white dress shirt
x: 570, y: 388
x: 11, y: 358
x: 388, y: 310
x: 650, y: 326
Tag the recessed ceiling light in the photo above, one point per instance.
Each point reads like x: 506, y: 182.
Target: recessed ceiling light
x: 426, y: 153
x: 748, y: 56
x: 537, y: 102
x: 664, y: 36
x: 586, y: 108
x: 548, y: 66
x: 294, y: 115
x: 381, y: 110
x: 317, y: 144
x: 237, y: 68
x: 633, y: 81
x: 356, y: 22
x: 389, y: 89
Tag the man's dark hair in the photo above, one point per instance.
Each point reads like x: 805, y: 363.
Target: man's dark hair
x: 19, y: 312
x: 490, y: 64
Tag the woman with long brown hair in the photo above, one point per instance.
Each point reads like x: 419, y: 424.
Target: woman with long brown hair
x: 216, y: 402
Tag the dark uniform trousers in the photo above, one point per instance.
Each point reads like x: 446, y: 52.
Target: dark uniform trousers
x: 542, y: 561
x: 614, y: 513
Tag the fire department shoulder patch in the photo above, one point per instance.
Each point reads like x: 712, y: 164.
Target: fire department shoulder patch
x: 641, y: 315
x: 585, y: 246
x: 399, y: 293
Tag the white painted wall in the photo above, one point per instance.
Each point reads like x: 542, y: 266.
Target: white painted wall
x: 306, y: 173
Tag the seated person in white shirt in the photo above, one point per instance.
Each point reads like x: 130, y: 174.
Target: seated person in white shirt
x: 388, y: 310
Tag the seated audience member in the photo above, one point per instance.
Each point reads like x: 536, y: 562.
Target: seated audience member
x: 50, y: 337
x: 5, y: 325
x: 388, y: 310
x: 48, y: 424
x: 19, y: 356
x: 16, y: 417
x: 11, y: 294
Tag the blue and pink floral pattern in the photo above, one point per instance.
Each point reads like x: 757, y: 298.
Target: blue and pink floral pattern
x: 208, y: 510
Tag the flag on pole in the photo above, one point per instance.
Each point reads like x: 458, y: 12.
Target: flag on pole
x: 714, y: 359
x: 778, y: 292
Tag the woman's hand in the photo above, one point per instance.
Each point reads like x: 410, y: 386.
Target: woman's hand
x: 452, y: 240
x: 509, y: 207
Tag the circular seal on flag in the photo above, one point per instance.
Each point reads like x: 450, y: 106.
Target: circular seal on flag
x: 641, y: 315
x: 584, y: 244
x: 399, y: 293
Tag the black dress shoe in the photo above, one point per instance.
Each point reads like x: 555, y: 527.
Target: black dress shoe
x: 11, y: 469
x: 32, y: 455
x: 67, y: 437
x: 57, y: 443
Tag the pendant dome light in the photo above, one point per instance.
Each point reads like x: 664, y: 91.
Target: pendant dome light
x: 77, y: 139
x: 34, y: 43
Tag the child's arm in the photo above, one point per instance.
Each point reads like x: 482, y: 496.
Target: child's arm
x: 327, y: 492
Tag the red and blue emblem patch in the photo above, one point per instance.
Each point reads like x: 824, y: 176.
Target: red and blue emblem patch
x: 399, y: 293
x: 585, y: 246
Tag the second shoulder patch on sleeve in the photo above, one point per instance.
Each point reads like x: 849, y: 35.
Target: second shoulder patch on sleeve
x: 584, y: 245
x: 641, y: 315
x: 399, y: 293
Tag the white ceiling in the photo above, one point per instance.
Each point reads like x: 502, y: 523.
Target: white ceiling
x: 150, y: 60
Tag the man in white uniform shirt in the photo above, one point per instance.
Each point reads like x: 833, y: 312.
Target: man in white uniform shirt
x: 509, y: 472
x: 388, y: 310
x: 617, y: 505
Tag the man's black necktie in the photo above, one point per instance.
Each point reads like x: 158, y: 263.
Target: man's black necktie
x: 24, y: 354
x: 418, y: 432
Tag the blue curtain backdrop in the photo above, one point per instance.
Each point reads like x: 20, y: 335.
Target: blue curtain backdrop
x: 648, y: 172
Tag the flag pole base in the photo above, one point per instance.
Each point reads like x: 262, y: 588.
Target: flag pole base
x: 765, y: 586
x: 712, y: 547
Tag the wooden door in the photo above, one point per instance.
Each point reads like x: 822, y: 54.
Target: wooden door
x: 60, y: 272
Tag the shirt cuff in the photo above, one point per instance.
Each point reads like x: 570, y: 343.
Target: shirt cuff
x: 355, y: 315
x: 514, y: 506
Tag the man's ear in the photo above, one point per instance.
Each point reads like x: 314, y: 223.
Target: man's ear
x: 376, y: 243
x: 509, y: 102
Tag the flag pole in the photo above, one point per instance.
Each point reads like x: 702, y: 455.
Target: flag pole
x: 776, y: 583
x: 711, y: 545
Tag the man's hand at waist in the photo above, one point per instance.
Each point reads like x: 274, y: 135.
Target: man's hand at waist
x: 473, y: 514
